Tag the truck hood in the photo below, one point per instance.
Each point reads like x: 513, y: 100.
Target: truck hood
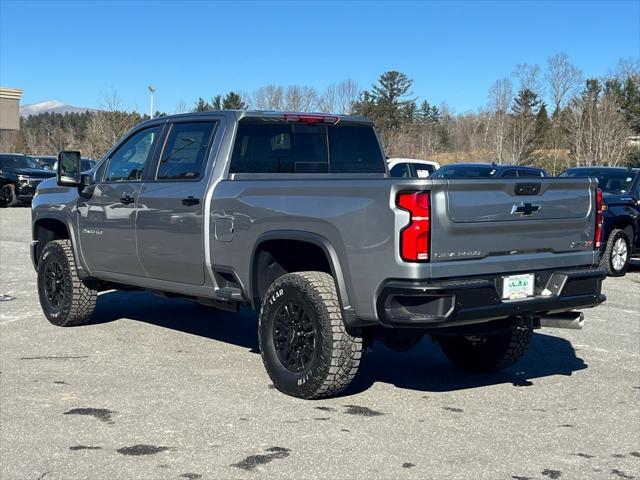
x: 611, y: 199
x: 34, y: 172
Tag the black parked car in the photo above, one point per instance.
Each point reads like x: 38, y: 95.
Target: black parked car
x: 487, y: 170
x: 85, y: 163
x: 19, y: 177
x: 621, y: 216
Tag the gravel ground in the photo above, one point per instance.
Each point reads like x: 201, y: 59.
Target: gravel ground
x: 160, y: 389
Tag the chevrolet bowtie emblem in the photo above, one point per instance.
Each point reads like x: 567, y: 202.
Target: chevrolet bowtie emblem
x: 525, y: 209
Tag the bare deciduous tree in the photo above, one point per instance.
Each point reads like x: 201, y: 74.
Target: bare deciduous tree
x: 529, y: 77
x: 300, y: 99
x: 598, y: 134
x: 347, y: 92
x: 108, y: 124
x: 269, y: 97
x: 627, y: 68
x: 339, y: 97
x: 181, y: 107
x: 562, y: 78
x: 500, y: 97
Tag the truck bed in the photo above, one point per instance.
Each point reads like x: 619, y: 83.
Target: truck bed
x: 473, y: 230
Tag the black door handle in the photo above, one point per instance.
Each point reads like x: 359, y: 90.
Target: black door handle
x: 190, y: 201
x: 127, y: 199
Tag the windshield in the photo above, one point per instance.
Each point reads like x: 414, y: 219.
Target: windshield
x: 465, y: 171
x: 18, y: 161
x: 610, y: 181
x: 87, y: 164
x: 45, y: 160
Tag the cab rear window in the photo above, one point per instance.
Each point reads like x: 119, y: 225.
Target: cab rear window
x: 301, y: 148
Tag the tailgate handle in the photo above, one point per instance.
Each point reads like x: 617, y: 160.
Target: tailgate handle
x: 528, y: 188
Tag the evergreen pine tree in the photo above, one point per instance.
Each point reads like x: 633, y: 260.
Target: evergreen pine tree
x: 631, y: 103
x: 542, y: 127
x: 202, y: 105
x: 233, y: 101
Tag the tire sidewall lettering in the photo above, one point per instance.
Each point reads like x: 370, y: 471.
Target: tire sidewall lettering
x: 275, y: 296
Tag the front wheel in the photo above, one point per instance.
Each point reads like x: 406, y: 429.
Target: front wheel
x: 306, y: 348
x: 485, y: 353
x: 65, y: 300
x: 615, y: 259
x: 8, y: 196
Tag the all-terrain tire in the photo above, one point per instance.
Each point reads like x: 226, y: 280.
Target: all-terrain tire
x: 487, y: 353
x: 65, y: 299
x: 8, y: 196
x: 614, y: 260
x: 333, y: 356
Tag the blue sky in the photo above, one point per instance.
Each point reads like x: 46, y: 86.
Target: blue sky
x: 454, y: 51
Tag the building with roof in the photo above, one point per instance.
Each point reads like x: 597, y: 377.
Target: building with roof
x: 9, y: 115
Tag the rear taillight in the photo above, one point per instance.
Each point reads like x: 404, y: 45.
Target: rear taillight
x: 414, y: 238
x: 597, y: 240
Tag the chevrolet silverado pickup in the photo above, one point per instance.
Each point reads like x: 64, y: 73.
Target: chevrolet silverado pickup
x: 297, y: 216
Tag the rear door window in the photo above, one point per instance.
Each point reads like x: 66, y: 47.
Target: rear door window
x: 300, y: 148
x: 354, y: 149
x: 185, y: 151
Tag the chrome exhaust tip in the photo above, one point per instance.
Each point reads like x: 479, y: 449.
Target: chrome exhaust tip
x: 571, y: 320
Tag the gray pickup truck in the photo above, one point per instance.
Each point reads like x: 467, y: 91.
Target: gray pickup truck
x: 296, y: 215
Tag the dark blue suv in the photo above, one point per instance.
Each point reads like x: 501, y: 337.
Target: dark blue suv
x: 621, y: 216
x: 487, y: 170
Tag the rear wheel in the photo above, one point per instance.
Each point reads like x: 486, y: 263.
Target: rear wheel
x: 615, y: 259
x: 66, y: 301
x: 485, y: 353
x: 306, y: 348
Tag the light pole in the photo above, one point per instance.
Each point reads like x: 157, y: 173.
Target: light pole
x: 152, y: 90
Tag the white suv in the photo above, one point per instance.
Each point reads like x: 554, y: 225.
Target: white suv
x: 411, y: 167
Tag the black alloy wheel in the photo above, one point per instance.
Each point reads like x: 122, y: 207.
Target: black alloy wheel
x: 294, y: 336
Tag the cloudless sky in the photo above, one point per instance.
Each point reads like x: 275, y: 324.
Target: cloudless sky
x: 75, y: 51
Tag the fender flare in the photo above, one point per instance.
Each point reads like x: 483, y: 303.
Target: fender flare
x: 83, y: 272
x: 338, y: 273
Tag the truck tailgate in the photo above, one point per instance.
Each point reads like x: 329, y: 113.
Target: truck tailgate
x: 489, y: 226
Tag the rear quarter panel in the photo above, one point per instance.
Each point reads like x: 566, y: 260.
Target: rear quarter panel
x: 355, y: 216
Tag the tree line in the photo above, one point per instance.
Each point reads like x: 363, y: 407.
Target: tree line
x: 550, y: 116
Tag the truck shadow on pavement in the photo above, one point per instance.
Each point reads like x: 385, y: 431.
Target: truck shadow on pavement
x: 423, y: 368
x: 182, y: 315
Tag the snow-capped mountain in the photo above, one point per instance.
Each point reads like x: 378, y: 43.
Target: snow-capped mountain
x: 50, y: 106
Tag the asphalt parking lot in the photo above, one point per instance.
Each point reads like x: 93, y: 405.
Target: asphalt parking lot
x: 161, y: 389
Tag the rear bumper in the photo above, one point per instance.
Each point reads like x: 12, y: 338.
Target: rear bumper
x: 475, y: 300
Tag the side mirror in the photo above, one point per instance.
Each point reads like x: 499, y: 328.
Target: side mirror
x: 69, y: 169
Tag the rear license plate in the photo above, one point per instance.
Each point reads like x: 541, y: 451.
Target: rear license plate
x: 518, y: 286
